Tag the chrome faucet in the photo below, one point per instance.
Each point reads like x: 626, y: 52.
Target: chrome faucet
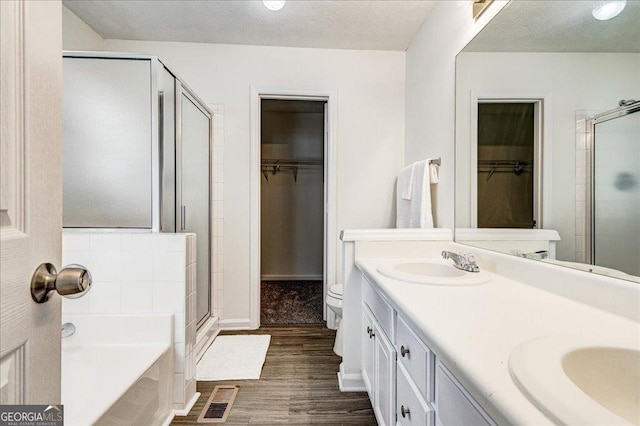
x: 538, y: 255
x: 461, y: 261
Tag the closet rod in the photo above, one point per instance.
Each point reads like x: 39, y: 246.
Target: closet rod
x: 284, y: 162
x: 504, y: 163
x: 274, y: 166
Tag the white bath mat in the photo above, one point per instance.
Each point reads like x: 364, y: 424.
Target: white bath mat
x: 234, y: 358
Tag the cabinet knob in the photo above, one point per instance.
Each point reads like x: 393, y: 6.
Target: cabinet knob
x: 369, y: 331
x: 404, y: 351
x: 404, y: 411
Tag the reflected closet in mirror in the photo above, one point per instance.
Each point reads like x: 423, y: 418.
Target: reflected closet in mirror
x: 548, y: 137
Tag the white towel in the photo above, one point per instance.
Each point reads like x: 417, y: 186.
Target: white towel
x: 405, y: 183
x: 416, y: 212
x: 434, y: 173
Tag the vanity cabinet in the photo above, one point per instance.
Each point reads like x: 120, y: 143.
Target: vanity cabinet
x: 384, y: 373
x: 379, y: 357
x: 454, y: 405
x: 411, y: 408
x: 368, y: 350
x: 406, y: 382
x: 415, y: 384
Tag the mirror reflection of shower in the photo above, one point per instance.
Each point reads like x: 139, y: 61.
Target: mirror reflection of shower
x: 614, y: 197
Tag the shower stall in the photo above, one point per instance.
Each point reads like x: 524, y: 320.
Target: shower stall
x: 137, y: 153
x: 614, y: 195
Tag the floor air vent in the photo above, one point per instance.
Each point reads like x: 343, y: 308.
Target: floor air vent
x: 219, y: 404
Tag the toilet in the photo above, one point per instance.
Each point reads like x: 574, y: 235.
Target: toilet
x: 334, y: 302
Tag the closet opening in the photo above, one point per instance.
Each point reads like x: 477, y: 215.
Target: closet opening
x: 509, y: 148
x: 293, y: 144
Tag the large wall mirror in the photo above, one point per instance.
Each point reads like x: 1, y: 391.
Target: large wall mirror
x: 548, y: 135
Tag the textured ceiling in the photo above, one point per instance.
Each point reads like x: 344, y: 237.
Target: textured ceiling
x: 346, y: 24
x: 559, y: 26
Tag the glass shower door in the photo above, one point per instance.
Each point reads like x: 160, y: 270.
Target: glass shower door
x: 194, y: 205
x: 616, y: 194
x: 108, y: 143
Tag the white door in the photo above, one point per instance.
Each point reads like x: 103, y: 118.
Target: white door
x: 31, y: 202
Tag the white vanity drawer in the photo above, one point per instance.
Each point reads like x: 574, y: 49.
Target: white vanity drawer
x: 381, y: 310
x: 409, y: 401
x: 416, y: 358
x: 454, y: 405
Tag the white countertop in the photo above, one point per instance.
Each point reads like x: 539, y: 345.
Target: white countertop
x: 474, y: 329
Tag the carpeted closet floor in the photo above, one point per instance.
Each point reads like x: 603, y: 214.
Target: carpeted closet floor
x: 291, y: 302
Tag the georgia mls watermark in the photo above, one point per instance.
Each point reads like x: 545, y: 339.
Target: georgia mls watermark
x: 31, y: 415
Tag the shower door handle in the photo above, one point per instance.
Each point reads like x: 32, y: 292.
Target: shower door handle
x: 183, y: 218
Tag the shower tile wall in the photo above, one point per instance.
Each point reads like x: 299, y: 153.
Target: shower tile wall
x: 583, y: 184
x: 218, y: 209
x: 137, y: 273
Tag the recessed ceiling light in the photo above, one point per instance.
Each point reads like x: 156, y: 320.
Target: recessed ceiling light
x: 275, y: 5
x: 604, y: 10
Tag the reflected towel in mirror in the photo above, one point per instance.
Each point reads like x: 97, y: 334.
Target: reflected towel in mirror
x: 405, y: 182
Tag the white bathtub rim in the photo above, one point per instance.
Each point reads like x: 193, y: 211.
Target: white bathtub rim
x: 151, y: 354
x: 90, y: 412
x: 148, y: 335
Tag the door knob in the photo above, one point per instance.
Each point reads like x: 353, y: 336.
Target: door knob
x: 72, y: 282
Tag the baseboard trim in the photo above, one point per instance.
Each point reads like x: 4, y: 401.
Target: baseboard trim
x: 236, y: 324
x: 169, y: 418
x: 350, y: 382
x: 205, y: 335
x: 185, y: 411
x: 203, y: 350
x: 291, y: 278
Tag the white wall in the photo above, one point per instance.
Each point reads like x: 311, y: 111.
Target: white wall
x: 77, y: 35
x: 370, y: 87
x: 430, y: 92
x: 574, y: 81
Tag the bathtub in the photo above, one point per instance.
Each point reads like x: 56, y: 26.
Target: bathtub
x: 118, y: 370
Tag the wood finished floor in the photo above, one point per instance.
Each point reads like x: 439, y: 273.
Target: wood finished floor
x: 298, y: 385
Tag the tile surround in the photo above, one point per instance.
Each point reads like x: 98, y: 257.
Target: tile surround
x: 583, y: 184
x: 141, y: 273
x: 218, y: 210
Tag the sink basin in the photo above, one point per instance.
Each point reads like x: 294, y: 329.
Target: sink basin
x: 432, y: 272
x: 581, y: 379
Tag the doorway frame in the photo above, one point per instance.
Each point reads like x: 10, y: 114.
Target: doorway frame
x: 330, y: 189
x: 542, y: 151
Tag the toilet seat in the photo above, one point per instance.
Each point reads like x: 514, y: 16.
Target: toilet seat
x: 336, y: 291
x: 334, y: 302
